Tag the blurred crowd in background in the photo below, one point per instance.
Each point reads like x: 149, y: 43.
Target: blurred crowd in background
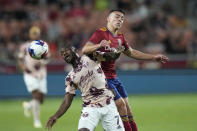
x: 152, y: 26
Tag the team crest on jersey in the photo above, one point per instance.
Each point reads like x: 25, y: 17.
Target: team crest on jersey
x: 109, y: 41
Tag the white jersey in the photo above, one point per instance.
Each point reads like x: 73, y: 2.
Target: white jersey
x: 37, y: 67
x: 89, y: 78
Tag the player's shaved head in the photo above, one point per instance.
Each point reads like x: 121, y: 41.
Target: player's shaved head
x: 117, y: 10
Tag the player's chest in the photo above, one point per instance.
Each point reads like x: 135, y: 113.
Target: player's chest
x: 88, y: 76
x: 84, y: 77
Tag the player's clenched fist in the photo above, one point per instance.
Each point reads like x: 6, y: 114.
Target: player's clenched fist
x: 120, y: 49
x: 104, y: 43
x: 51, y: 122
x: 161, y: 58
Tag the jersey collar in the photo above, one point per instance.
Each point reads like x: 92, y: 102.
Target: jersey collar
x: 114, y: 35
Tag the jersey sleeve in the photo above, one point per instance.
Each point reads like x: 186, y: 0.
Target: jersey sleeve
x: 70, y: 86
x: 96, y: 37
x: 125, y: 43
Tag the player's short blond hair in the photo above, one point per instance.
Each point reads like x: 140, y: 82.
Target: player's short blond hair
x: 34, y: 29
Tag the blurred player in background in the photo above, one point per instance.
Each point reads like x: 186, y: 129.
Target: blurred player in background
x: 98, y: 103
x: 108, y: 39
x: 34, y: 76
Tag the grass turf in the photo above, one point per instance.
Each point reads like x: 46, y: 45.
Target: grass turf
x: 152, y: 113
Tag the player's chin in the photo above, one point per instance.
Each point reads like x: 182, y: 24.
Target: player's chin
x: 118, y: 26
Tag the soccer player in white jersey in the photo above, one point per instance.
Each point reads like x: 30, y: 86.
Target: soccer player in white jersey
x: 98, y: 104
x: 34, y: 77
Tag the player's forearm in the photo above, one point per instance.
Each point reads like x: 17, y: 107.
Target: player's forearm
x: 89, y: 48
x: 65, y: 105
x: 139, y: 55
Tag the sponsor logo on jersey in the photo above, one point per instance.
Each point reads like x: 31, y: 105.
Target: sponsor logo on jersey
x: 84, y: 78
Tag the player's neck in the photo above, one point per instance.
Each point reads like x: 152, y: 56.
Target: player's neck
x: 112, y: 29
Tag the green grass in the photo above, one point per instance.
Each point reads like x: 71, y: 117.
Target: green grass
x: 152, y: 113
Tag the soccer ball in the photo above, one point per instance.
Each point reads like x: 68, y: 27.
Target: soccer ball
x: 38, y: 49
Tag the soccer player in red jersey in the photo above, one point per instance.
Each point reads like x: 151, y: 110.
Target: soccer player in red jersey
x: 108, y: 39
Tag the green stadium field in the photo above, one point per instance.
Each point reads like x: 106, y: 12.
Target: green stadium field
x: 152, y: 113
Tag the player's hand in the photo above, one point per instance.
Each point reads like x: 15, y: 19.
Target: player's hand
x: 51, y: 122
x: 161, y: 58
x: 120, y: 49
x: 104, y: 43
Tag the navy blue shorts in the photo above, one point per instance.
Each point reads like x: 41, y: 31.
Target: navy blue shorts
x: 117, y: 88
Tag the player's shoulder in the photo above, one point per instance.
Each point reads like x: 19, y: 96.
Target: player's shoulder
x: 85, y: 59
x: 71, y: 72
x: 101, y: 30
x: 88, y: 62
x: 70, y: 76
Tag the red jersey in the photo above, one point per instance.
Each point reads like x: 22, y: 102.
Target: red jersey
x: 104, y: 34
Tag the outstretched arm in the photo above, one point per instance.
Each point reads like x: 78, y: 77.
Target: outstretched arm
x: 132, y: 53
x: 90, y: 47
x: 62, y: 109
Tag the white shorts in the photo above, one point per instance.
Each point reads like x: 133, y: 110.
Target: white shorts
x: 33, y: 83
x: 108, y: 115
